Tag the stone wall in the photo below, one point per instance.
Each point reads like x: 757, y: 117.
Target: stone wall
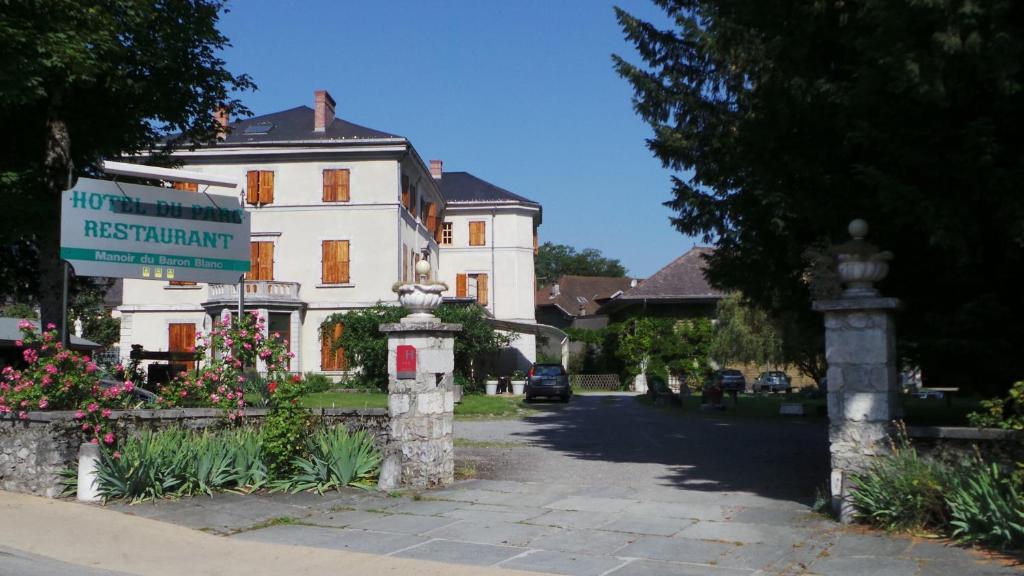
x: 33, y: 452
x: 953, y: 444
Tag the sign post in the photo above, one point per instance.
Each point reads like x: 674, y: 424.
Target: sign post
x: 152, y: 233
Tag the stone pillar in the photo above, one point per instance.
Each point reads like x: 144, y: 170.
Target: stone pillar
x: 863, y: 387
x: 860, y: 350
x: 421, y: 403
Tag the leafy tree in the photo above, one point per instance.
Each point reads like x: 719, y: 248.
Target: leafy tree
x: 476, y: 340
x: 648, y: 344
x: 366, y: 346
x: 785, y: 120
x: 554, y: 260
x: 19, y: 310
x: 744, y: 334
x: 81, y: 80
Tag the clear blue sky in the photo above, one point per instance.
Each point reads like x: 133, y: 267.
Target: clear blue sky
x: 518, y: 92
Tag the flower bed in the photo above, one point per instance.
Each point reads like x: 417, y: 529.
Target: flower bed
x: 57, y: 401
x: 36, y: 448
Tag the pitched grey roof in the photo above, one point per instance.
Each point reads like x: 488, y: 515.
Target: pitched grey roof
x: 9, y: 333
x: 463, y: 187
x: 296, y: 124
x: 681, y: 279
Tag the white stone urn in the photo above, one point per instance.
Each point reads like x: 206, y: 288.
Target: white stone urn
x: 420, y: 298
x: 491, y: 387
x: 861, y: 264
x: 518, y: 387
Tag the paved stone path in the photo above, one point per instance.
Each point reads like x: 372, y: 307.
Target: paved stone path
x: 602, y: 486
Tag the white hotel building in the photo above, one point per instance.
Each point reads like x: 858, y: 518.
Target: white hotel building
x: 341, y: 212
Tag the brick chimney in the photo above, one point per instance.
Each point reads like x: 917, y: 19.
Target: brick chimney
x: 324, y: 106
x: 222, y: 118
x: 435, y: 169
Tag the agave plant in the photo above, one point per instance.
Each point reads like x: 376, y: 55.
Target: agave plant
x: 986, y: 505
x: 206, y: 464
x: 335, y: 459
x: 248, y: 462
x: 143, y: 467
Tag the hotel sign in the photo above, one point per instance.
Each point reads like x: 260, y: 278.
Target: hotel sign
x: 131, y: 231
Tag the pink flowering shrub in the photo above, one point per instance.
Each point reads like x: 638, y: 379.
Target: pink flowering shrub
x: 58, y: 379
x: 219, y: 382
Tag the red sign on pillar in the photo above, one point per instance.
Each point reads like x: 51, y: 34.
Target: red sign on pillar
x: 405, y: 363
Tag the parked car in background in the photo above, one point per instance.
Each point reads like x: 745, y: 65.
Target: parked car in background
x: 729, y: 380
x: 548, y: 380
x: 772, y: 381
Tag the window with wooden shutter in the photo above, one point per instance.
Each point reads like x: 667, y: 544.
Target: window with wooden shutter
x: 181, y: 283
x: 182, y: 338
x: 460, y: 285
x: 446, y: 234
x: 481, y: 289
x: 405, y: 191
x: 186, y: 186
x: 259, y: 187
x: 478, y: 233
x: 336, y: 185
x: 261, y: 261
x: 413, y: 201
x: 335, y: 262
x: 536, y: 243
x: 331, y: 358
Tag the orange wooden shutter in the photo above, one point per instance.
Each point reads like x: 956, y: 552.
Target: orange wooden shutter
x: 329, y: 262
x: 331, y: 358
x: 329, y: 186
x: 254, y: 261
x: 186, y: 186
x: 343, y: 262
x: 460, y: 285
x: 405, y: 191
x: 477, y: 233
x: 481, y: 289
x: 266, y: 194
x: 252, y: 188
x: 341, y: 186
x: 266, y: 261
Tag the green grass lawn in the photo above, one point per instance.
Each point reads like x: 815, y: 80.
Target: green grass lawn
x: 917, y: 411
x: 473, y: 406
x: 481, y: 407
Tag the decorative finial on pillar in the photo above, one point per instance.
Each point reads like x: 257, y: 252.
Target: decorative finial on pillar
x: 423, y: 271
x: 861, y: 264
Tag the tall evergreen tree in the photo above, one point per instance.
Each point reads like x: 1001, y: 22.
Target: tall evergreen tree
x: 787, y: 119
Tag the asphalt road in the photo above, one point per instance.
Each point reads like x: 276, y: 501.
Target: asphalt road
x: 620, y: 446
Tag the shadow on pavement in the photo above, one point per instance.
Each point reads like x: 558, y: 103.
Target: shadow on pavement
x: 779, y: 459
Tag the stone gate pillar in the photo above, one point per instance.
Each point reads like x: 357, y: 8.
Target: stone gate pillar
x: 421, y: 401
x: 860, y: 349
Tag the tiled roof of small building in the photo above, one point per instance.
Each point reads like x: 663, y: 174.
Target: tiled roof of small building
x: 681, y: 279
x: 581, y: 295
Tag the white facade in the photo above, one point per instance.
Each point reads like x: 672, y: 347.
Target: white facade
x: 505, y: 256
x: 384, y: 239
